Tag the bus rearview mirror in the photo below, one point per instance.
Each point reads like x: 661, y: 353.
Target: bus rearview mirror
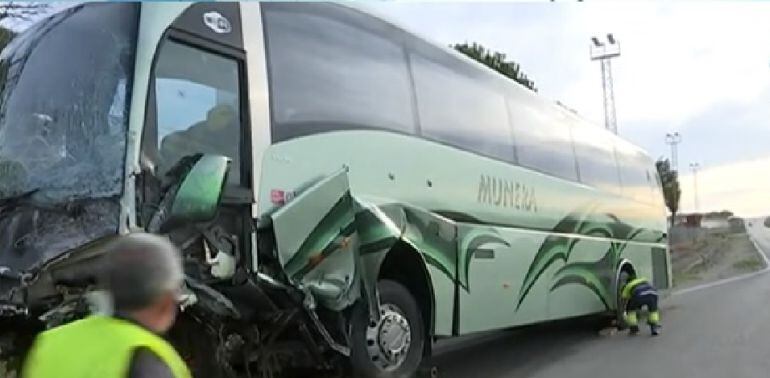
x: 200, y: 192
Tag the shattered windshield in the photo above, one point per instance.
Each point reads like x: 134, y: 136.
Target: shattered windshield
x: 64, y: 92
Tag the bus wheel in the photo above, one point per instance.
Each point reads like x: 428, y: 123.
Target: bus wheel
x: 623, y: 277
x: 393, y: 346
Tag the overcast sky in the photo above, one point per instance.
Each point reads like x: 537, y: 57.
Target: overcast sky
x: 702, y: 69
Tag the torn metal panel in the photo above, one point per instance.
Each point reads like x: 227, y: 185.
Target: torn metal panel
x: 309, y: 232
x: 332, y: 244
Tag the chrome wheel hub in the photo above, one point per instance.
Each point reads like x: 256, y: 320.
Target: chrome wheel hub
x: 389, y: 339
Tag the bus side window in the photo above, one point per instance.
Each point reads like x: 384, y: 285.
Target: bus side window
x: 198, y: 106
x: 595, y: 153
x: 635, y: 176
x: 459, y: 110
x: 334, y: 69
x: 543, y: 141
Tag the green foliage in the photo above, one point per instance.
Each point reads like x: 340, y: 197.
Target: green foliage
x: 669, y: 179
x: 11, y: 13
x: 24, y: 10
x: 496, y: 61
x: 748, y: 265
x: 5, y: 36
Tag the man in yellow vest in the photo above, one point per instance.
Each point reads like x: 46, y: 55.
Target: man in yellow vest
x: 636, y: 294
x: 143, y: 274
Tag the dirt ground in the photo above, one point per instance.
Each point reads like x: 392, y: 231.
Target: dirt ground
x: 700, y: 255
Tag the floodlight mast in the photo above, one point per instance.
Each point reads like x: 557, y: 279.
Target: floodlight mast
x: 604, y: 52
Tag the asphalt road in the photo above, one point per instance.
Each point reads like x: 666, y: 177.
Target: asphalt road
x: 718, y: 330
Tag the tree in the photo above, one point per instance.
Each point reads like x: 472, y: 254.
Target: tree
x: 11, y: 13
x: 496, y: 61
x: 671, y: 191
x: 24, y: 11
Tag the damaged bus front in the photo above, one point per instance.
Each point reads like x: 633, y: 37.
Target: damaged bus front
x: 66, y: 82
x: 126, y: 117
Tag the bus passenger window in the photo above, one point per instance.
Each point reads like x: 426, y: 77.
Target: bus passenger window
x: 333, y: 69
x: 460, y: 110
x: 595, y: 153
x: 197, y: 106
x: 543, y: 138
x: 635, y: 176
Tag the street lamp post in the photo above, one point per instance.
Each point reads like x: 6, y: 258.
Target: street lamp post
x: 695, y: 167
x: 673, y: 140
x: 603, y: 52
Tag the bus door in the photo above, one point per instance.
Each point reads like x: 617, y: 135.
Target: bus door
x: 198, y: 104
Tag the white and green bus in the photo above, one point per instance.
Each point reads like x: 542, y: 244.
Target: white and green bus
x: 344, y: 192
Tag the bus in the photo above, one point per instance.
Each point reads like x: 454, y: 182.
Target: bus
x: 345, y: 193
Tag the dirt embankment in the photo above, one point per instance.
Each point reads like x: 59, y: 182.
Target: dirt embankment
x: 700, y: 255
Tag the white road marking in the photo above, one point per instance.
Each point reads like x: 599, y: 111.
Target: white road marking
x: 762, y: 253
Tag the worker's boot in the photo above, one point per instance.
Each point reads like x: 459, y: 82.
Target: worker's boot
x: 633, y: 330
x: 654, y: 321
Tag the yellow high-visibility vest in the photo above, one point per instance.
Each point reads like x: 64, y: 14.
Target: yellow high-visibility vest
x: 96, y: 347
x: 626, y: 293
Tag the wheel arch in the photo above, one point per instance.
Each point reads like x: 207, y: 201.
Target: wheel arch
x: 623, y: 266
x: 404, y: 263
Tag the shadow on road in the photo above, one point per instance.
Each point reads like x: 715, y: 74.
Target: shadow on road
x: 514, y: 353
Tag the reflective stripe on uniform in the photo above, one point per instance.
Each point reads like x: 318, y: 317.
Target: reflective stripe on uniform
x: 626, y: 292
x: 654, y: 318
x: 631, y: 319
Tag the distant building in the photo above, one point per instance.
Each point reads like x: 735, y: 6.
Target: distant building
x: 688, y: 220
x: 736, y: 224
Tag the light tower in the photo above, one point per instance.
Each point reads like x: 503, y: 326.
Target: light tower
x: 673, y: 139
x: 604, y: 52
x: 695, y: 168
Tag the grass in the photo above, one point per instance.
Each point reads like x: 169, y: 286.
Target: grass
x: 684, y: 277
x: 748, y: 264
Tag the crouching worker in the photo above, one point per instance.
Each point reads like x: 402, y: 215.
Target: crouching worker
x: 636, y: 294
x: 143, y: 274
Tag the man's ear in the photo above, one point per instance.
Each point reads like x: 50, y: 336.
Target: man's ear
x: 165, y: 302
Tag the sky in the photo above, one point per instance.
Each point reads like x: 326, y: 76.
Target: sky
x: 699, y: 68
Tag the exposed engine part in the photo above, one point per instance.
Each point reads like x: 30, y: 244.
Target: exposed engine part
x: 65, y: 312
x: 9, y: 310
x: 187, y: 298
x: 339, y: 348
x: 222, y: 264
x: 310, y: 306
x: 273, y: 282
x: 212, y: 300
x: 220, y: 239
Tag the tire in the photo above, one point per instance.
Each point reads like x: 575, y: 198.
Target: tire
x: 366, y: 357
x: 196, y: 347
x: 622, y: 279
